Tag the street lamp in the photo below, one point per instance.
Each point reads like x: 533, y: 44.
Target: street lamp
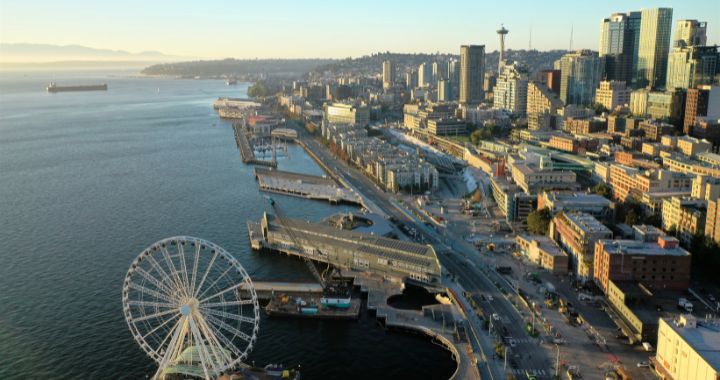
x: 557, y: 361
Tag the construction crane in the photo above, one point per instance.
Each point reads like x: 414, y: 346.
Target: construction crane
x: 336, y: 293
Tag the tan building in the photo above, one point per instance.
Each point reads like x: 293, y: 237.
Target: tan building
x: 577, y: 233
x: 688, y: 349
x: 585, y: 125
x: 612, y: 94
x: 712, y: 222
x: 531, y: 179
x: 685, y: 215
x: 705, y: 187
x: 342, y: 113
x: 639, y: 102
x: 691, y: 146
x: 543, y: 252
x: 627, y: 181
x: 660, y: 265
x: 654, y: 130
x: 541, y: 99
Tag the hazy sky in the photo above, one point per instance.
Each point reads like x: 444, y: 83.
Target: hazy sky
x: 249, y: 29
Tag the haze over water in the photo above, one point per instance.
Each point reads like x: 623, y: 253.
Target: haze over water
x: 89, y: 179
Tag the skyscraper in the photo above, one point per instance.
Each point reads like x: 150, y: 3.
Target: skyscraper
x: 690, y: 66
x: 655, y: 27
x: 690, y: 33
x: 472, y: 73
x: 438, y: 70
x: 443, y: 90
x: 453, y: 76
x: 411, y: 79
x: 425, y: 77
x: 388, y: 73
x: 619, y: 41
x: 511, y: 90
x: 580, y: 74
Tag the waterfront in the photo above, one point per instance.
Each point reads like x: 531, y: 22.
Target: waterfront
x: 90, y: 179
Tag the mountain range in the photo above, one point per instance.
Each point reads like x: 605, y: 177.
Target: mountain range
x: 45, y: 53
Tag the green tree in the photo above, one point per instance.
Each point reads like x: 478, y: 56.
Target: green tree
x: 539, y: 220
x: 603, y: 190
x: 599, y: 108
x: 631, y: 217
x: 258, y: 90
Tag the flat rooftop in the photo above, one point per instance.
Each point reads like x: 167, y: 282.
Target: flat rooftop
x: 640, y: 248
x: 704, y: 339
x: 578, y: 198
x: 586, y: 222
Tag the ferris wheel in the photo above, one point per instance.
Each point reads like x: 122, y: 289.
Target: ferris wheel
x: 191, y: 306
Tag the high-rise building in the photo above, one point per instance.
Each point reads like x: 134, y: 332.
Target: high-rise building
x: 698, y: 103
x: 551, y: 79
x: 411, y: 79
x: 438, y: 70
x: 690, y: 33
x: 388, y: 72
x: 443, y: 90
x: 580, y: 74
x: 502, y: 32
x: 425, y: 77
x: 655, y: 28
x: 472, y: 73
x: 691, y: 66
x: 510, y: 92
x: 489, y: 81
x: 619, y: 41
x: 612, y: 94
x: 453, y: 76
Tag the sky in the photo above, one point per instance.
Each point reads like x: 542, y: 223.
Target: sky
x: 327, y: 29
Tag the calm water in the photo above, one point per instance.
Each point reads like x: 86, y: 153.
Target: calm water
x: 87, y: 180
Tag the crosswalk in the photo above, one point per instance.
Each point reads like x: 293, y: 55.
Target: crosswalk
x: 536, y: 372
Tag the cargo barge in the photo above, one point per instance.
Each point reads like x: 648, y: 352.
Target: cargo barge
x: 53, y: 87
x: 309, y: 305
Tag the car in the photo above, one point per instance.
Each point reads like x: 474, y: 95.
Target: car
x: 512, y: 342
x: 643, y: 365
x: 489, y: 298
x: 496, y: 317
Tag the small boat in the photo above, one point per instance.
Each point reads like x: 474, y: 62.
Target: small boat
x: 231, y: 82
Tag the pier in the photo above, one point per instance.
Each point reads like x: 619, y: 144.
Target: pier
x: 304, y: 186
x: 247, y: 153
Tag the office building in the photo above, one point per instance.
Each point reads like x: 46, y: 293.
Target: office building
x: 388, y: 73
x: 612, y: 94
x: 619, y: 42
x: 551, y: 79
x: 687, y: 348
x: 472, y: 73
x: 712, y: 221
x: 453, y: 77
x: 342, y: 113
x: 577, y: 233
x: 655, y: 29
x: 692, y: 146
x: 425, y: 77
x: 659, y: 264
x: 666, y: 105
x: 543, y: 252
x: 540, y: 99
x: 628, y: 182
x: 685, y: 215
x: 705, y: 187
x: 510, y: 93
x: 580, y: 74
x: 411, y: 79
x: 446, y: 127
x: 443, y: 90
x: 701, y: 102
x: 691, y: 66
x: 690, y: 33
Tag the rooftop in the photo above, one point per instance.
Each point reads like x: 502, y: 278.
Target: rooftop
x: 586, y: 222
x: 640, y: 248
x: 704, y: 339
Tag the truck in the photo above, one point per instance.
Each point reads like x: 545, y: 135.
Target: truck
x: 686, y: 305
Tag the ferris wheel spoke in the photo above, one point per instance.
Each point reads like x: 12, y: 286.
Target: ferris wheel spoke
x: 236, y: 286
x: 195, y: 268
x: 166, y: 277
x: 172, y: 347
x: 201, y: 348
x: 207, y: 270
x: 147, y: 334
x: 223, y: 314
x: 161, y: 287
x: 226, y: 343
x: 152, y: 304
x: 173, y: 270
x: 183, y: 267
x: 154, y: 315
x: 228, y: 303
x: 151, y: 292
x: 229, y: 328
x: 217, y: 348
x: 216, y: 280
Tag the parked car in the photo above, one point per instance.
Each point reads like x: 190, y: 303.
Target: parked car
x: 496, y: 317
x: 643, y: 365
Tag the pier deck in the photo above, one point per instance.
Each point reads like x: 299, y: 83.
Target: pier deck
x: 292, y: 304
x: 265, y: 289
x: 247, y: 153
x: 304, y: 186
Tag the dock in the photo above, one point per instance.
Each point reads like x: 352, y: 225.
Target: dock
x: 304, y: 186
x: 247, y: 153
x: 265, y: 289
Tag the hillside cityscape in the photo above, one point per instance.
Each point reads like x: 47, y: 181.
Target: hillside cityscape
x: 474, y: 214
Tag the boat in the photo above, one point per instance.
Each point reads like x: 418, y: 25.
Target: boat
x: 53, y: 87
x: 231, y: 82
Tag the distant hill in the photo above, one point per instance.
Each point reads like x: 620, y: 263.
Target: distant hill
x: 236, y: 67
x: 43, y: 53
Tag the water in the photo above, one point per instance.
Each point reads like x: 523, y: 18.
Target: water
x: 89, y: 179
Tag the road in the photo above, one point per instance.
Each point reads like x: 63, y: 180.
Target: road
x: 532, y: 356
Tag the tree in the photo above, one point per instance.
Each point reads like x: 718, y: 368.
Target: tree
x: 602, y: 189
x: 539, y: 221
x: 258, y: 90
x: 631, y: 217
x: 599, y: 108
